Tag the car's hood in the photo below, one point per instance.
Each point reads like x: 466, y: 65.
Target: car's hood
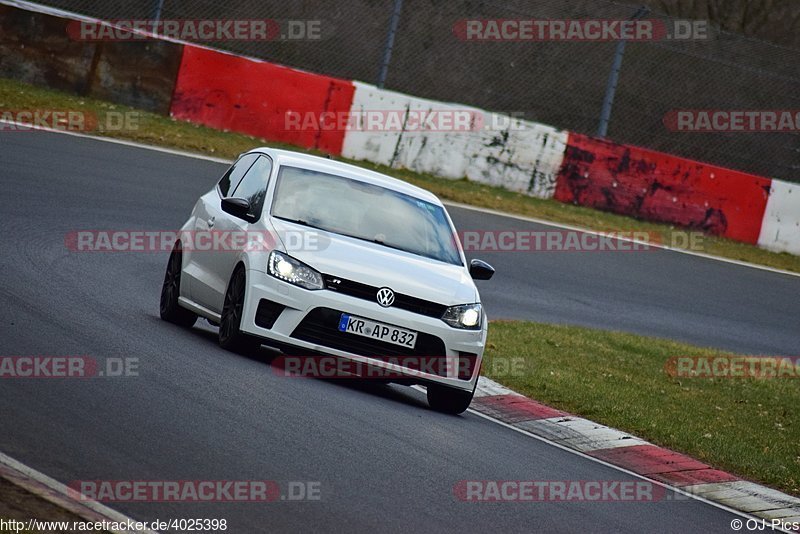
x: 379, y: 266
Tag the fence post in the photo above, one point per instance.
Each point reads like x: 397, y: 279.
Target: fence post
x: 387, y: 48
x: 158, y: 7
x: 613, y: 79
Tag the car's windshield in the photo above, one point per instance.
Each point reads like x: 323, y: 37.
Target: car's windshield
x: 364, y: 211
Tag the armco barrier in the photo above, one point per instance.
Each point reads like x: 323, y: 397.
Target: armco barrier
x: 659, y: 187
x: 780, y: 230
x: 35, y: 48
x: 518, y: 155
x: 229, y: 92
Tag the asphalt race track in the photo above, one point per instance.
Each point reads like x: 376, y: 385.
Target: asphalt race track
x: 654, y: 292
x: 382, y: 458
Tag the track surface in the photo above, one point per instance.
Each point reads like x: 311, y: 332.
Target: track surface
x: 655, y: 292
x: 384, y: 460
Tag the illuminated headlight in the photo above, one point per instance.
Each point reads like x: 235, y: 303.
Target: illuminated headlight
x: 466, y: 316
x: 290, y: 270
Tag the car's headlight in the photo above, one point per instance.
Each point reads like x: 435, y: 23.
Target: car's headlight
x: 290, y: 270
x: 465, y: 316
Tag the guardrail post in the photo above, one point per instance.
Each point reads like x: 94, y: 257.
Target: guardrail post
x: 158, y: 7
x: 387, y: 48
x: 613, y: 79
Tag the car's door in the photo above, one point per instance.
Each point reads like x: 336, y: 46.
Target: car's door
x: 233, y: 230
x: 199, y: 256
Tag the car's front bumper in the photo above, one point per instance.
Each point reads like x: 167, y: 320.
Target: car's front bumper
x: 460, y: 346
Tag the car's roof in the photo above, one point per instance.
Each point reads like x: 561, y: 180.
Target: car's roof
x: 330, y: 166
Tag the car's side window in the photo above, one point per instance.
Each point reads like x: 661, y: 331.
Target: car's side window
x: 234, y: 175
x: 253, y: 187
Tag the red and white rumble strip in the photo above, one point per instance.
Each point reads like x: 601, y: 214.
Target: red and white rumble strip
x: 633, y: 454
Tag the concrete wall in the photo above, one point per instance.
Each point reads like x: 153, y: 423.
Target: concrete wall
x: 36, y: 48
x: 780, y: 230
x: 660, y: 187
x: 229, y: 92
x: 498, y: 150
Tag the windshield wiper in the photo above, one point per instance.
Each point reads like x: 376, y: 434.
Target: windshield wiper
x: 301, y: 222
x: 379, y: 242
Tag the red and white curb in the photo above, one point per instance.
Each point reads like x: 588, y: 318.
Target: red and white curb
x: 57, y: 493
x: 632, y: 454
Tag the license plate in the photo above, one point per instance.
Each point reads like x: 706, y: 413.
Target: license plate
x: 359, y: 326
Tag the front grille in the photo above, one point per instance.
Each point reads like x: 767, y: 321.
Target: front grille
x: 267, y: 313
x: 320, y: 326
x: 368, y: 292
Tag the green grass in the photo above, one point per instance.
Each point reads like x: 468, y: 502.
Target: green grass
x: 163, y: 131
x: 746, y: 426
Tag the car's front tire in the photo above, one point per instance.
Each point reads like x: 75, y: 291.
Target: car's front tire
x: 231, y: 336
x: 169, y: 308
x: 449, y: 400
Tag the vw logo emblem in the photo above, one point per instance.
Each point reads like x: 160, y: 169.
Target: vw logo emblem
x: 385, y: 297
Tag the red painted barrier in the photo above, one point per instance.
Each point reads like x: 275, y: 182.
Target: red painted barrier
x: 648, y: 459
x: 514, y: 408
x: 660, y: 187
x: 230, y: 92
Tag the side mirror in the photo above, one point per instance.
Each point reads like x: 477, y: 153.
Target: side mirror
x: 480, y: 270
x: 238, y: 207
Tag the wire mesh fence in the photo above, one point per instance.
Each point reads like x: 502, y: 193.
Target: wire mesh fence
x: 561, y: 83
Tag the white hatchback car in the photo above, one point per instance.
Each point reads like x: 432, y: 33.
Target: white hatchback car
x: 325, y: 259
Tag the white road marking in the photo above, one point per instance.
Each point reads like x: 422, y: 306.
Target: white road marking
x: 123, y: 142
x: 620, y: 238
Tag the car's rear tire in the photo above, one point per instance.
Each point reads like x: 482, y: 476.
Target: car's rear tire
x: 449, y: 400
x: 169, y: 308
x: 231, y: 336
